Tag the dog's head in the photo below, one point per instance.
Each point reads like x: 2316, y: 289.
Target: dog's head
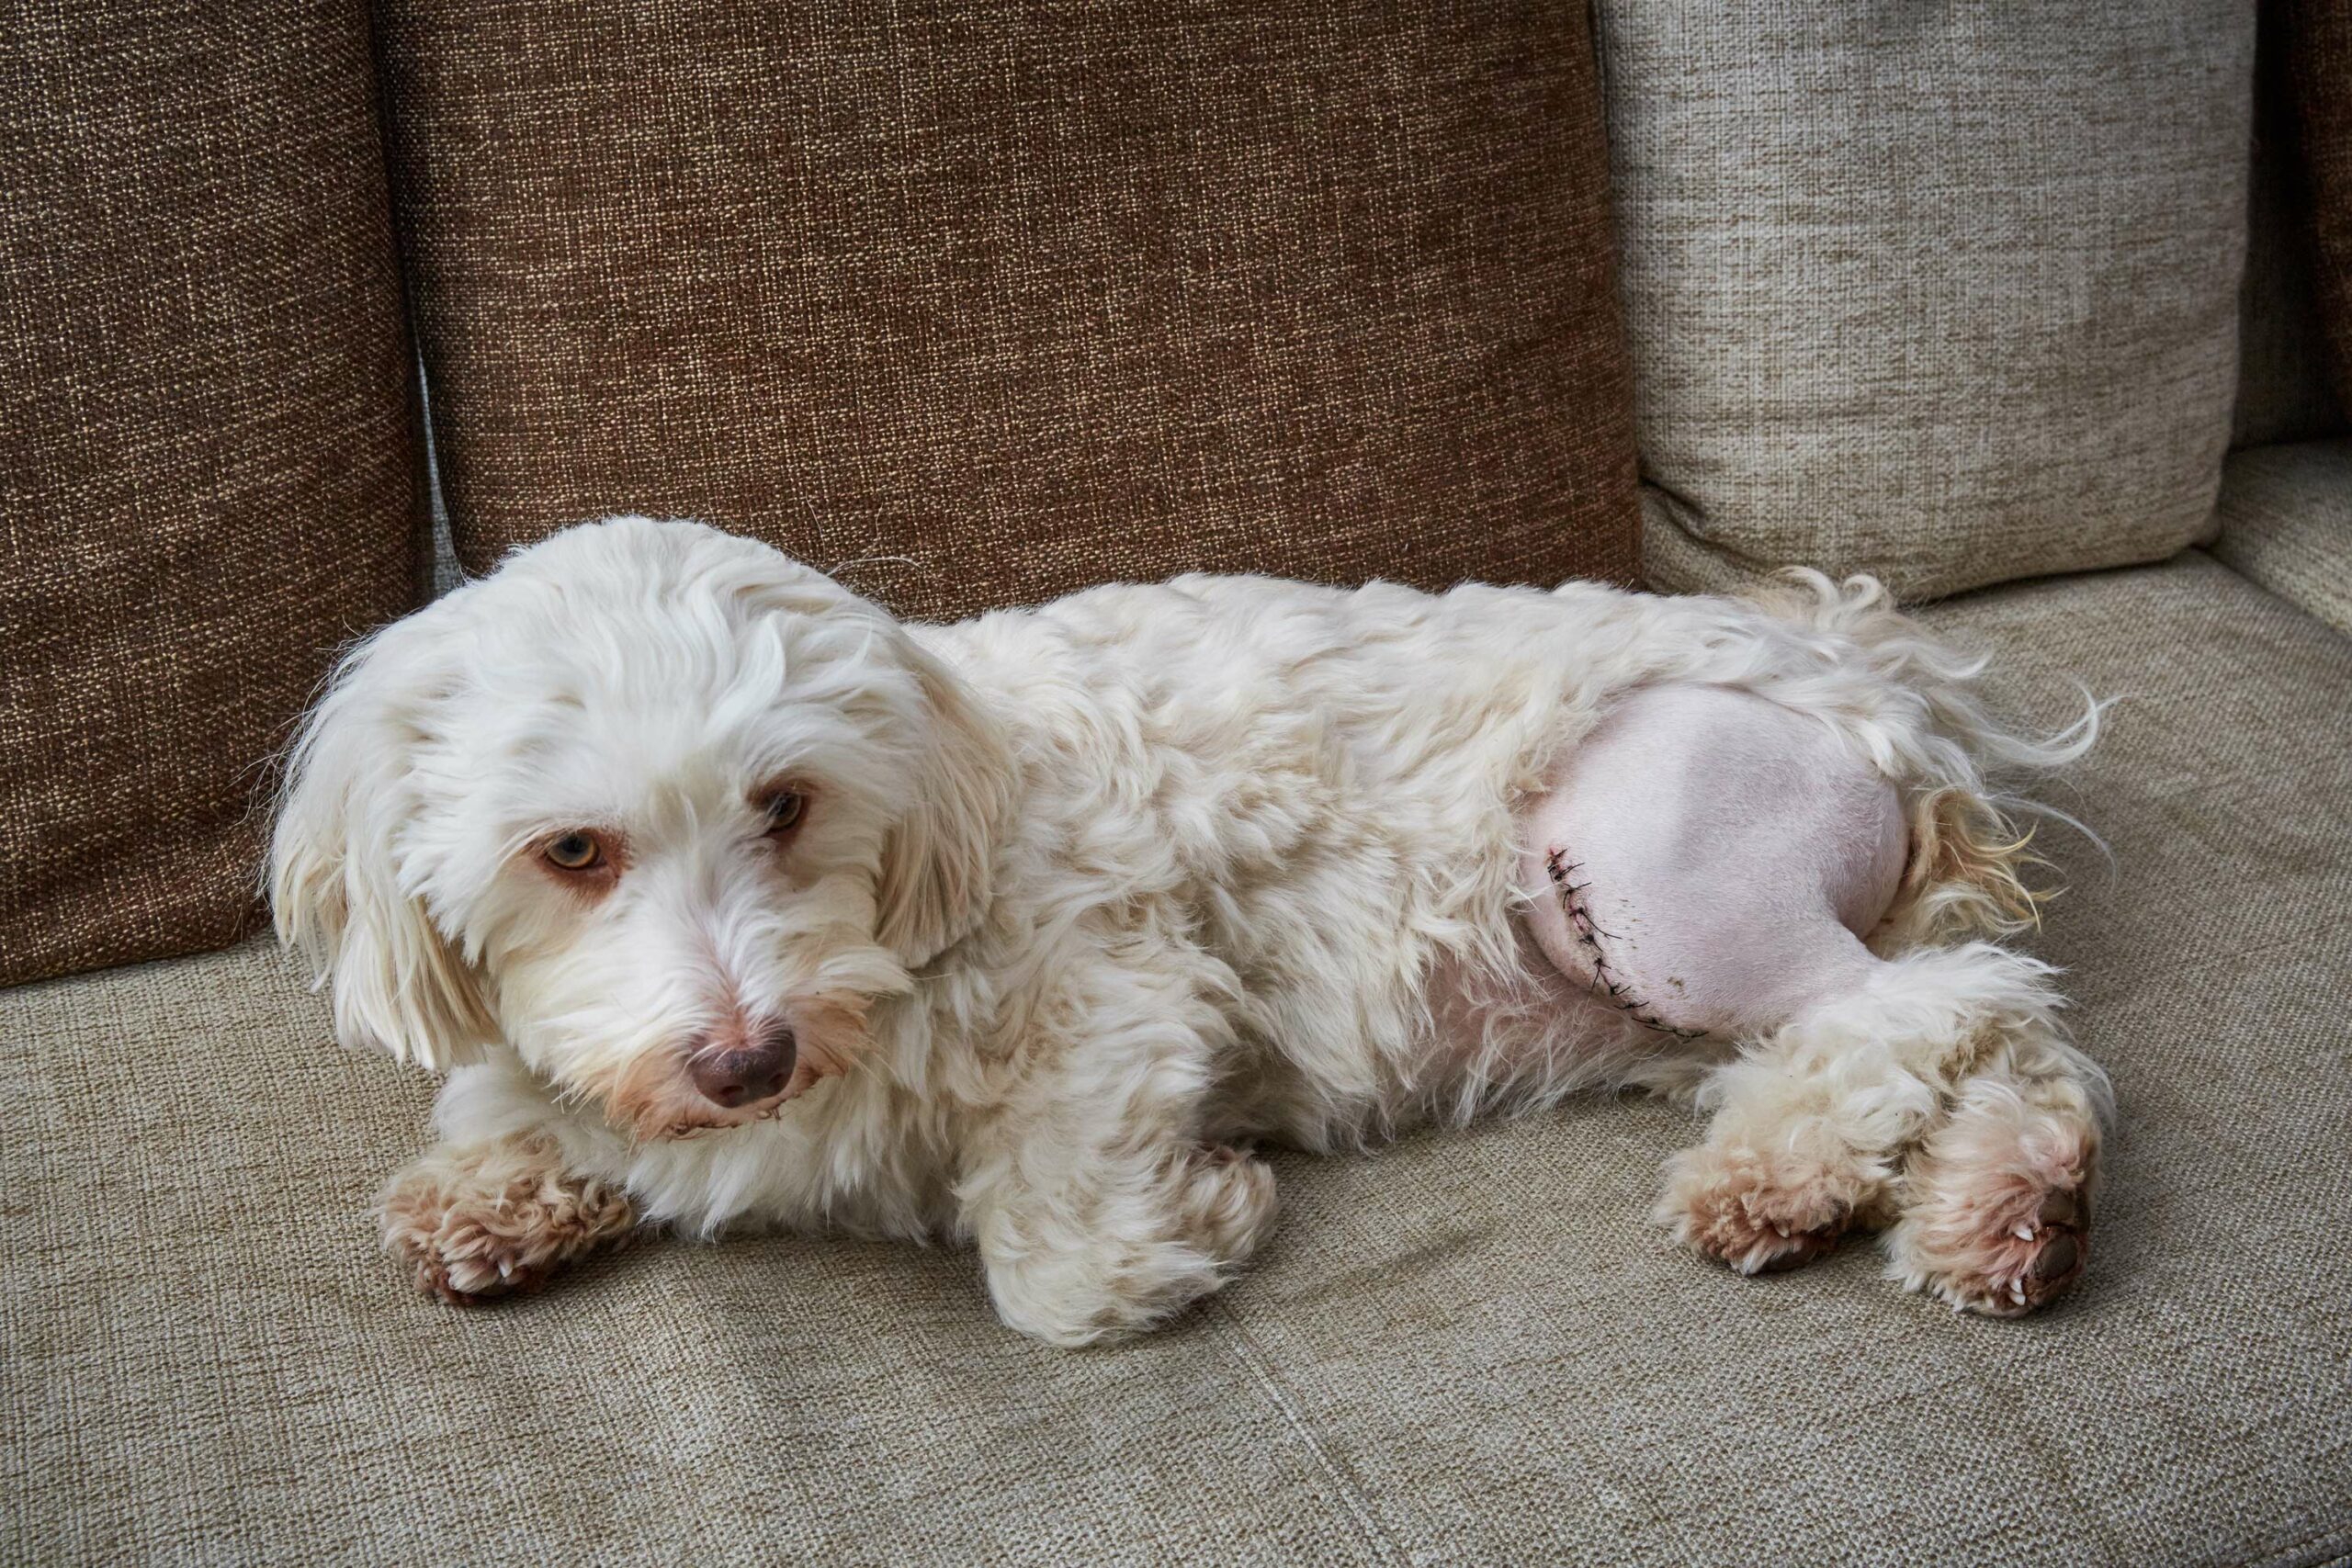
x: 659, y: 807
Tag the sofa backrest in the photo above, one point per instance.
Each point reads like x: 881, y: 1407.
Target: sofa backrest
x: 992, y: 303
x: 209, y: 472
x: 1943, y: 292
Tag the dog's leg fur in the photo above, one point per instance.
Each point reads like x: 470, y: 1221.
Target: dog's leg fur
x: 474, y: 1221
x: 1839, y: 1118
x: 1710, y: 863
x: 1145, y: 1232
x: 1098, y: 1206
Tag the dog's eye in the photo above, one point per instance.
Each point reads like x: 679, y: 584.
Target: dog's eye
x: 574, y: 851
x: 783, y: 809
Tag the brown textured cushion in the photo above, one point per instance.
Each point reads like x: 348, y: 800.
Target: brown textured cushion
x: 2319, y: 59
x: 1002, y: 300
x: 2283, y: 385
x: 206, y: 463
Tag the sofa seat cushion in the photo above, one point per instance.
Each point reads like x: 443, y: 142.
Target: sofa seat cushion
x: 2286, y: 515
x: 1470, y: 1347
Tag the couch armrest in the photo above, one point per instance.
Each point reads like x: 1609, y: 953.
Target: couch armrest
x: 2286, y: 520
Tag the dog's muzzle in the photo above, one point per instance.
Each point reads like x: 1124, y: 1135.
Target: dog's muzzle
x: 733, y: 1072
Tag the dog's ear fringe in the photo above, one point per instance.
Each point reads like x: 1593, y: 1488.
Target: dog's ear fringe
x: 334, y: 889
x: 938, y: 867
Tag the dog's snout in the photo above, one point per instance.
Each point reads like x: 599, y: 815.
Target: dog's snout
x: 744, y: 1072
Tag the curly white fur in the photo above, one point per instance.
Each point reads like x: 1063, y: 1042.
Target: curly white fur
x: 1087, y: 897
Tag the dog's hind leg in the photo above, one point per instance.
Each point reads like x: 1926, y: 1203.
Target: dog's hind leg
x: 1938, y: 1094
x: 1709, y: 863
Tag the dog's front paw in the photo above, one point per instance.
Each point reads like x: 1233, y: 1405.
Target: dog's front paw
x: 1128, y: 1256
x: 1229, y: 1204
x: 481, y: 1221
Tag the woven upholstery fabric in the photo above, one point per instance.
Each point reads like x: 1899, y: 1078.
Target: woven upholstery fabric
x: 1945, y: 293
x: 1468, y: 1348
x: 2287, y: 524
x: 989, y: 302
x: 206, y: 471
x: 2319, y: 62
x: 2283, y: 389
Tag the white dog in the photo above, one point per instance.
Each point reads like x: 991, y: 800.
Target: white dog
x: 743, y: 904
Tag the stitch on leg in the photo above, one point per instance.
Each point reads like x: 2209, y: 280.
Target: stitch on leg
x: 1618, y: 990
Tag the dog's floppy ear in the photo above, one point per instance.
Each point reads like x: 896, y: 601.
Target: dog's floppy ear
x: 334, y: 886
x: 936, y: 867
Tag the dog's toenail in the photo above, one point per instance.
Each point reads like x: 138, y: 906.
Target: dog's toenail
x: 2059, y: 1209
x: 2024, y: 1232
x: 2056, y: 1258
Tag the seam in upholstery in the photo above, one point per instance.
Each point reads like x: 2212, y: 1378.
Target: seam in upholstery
x: 1247, y: 1352
x: 2212, y: 550
x: 2336, y: 1546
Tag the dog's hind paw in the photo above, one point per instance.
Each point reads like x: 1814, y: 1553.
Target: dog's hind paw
x: 478, y: 1223
x: 2006, y: 1263
x: 1996, y: 1218
x: 1760, y: 1212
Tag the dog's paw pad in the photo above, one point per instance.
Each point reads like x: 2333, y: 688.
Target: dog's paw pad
x: 467, y: 1263
x: 473, y: 1281
x: 1997, y: 1212
x: 2038, y: 1257
x: 1752, y: 1242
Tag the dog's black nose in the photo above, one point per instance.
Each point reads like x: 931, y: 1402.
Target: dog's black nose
x: 733, y: 1071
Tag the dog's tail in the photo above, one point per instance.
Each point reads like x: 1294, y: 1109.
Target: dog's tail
x: 1919, y: 709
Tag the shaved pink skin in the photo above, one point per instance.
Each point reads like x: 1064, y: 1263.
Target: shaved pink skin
x: 1719, y: 860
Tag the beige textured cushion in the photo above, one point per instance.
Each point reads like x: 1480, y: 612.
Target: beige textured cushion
x: 2287, y: 524
x: 1946, y: 293
x: 1470, y: 1349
